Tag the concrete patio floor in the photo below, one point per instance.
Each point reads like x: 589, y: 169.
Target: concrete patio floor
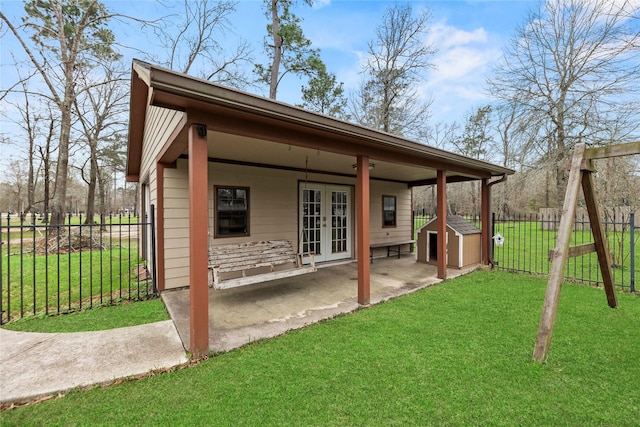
x: 243, y: 315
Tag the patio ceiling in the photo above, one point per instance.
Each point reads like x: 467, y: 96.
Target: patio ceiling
x: 248, y: 129
x: 244, y: 150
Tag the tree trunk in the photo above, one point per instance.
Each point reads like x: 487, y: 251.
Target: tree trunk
x: 277, y: 49
x: 562, y: 174
x: 102, y: 199
x: 62, y: 169
x: 91, y: 193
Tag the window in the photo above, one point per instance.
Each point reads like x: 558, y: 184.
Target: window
x: 232, y: 211
x: 388, y: 211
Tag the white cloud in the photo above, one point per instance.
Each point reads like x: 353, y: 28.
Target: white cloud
x: 461, y: 64
x: 444, y: 36
x: 319, y: 4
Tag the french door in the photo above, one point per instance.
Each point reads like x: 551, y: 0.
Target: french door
x: 325, y: 221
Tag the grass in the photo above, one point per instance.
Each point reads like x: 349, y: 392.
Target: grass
x: 33, y: 285
x: 97, y: 319
x: 527, y: 245
x: 454, y: 354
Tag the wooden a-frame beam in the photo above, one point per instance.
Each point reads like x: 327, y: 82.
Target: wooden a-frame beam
x: 599, y: 237
x: 612, y: 151
x: 550, y: 307
x: 580, y: 175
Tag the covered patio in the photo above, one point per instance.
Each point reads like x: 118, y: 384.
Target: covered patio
x: 243, y: 315
x: 190, y: 138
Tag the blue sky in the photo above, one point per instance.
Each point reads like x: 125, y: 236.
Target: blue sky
x: 469, y: 36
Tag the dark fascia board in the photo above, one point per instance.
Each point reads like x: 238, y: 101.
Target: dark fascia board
x: 137, y: 116
x: 187, y: 87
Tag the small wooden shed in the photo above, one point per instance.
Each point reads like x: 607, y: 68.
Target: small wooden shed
x: 463, y: 242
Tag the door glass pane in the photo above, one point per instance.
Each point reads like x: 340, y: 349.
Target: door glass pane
x: 338, y: 221
x: 311, y: 221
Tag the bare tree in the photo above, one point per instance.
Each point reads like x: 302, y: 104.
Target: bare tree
x: 45, y: 152
x: 101, y: 112
x: 66, y: 36
x: 398, y: 57
x: 442, y: 134
x: 573, y: 62
x: 27, y: 120
x: 197, y: 41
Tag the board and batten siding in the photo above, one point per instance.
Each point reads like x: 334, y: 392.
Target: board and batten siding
x: 273, y: 209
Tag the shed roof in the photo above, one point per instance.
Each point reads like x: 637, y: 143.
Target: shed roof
x: 256, y: 130
x: 458, y: 224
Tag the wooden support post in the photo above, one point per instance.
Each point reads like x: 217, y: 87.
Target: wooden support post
x: 550, y: 307
x: 441, y: 223
x: 485, y: 217
x: 363, y: 230
x: 599, y: 238
x: 198, y: 244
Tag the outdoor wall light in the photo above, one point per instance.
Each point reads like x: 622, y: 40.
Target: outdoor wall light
x: 371, y: 166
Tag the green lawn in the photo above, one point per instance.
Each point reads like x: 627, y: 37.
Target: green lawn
x: 454, y: 354
x: 526, y: 248
x: 527, y: 245
x: 35, y: 285
x: 97, y: 319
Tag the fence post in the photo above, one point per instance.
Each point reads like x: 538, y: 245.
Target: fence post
x: 492, y: 244
x: 632, y: 225
x: 1, y: 289
x: 154, y: 283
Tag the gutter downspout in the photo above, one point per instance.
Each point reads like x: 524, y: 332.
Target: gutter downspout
x: 503, y: 178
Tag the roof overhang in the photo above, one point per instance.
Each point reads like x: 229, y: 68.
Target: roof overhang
x: 255, y: 123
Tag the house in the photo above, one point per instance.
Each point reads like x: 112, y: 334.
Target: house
x: 463, y: 242
x: 222, y: 166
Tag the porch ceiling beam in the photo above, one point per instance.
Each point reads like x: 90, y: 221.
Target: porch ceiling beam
x: 450, y: 179
x: 177, y: 143
x: 290, y: 168
x: 272, y: 130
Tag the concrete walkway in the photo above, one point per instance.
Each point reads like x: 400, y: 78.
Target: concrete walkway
x: 38, y: 364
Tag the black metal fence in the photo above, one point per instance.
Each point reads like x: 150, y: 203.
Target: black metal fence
x: 528, y: 239
x: 50, y: 269
x: 523, y: 244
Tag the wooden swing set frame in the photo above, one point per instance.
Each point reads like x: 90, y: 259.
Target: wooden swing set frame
x: 581, y: 173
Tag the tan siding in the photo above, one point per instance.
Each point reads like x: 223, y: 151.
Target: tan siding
x: 471, y: 250
x: 160, y: 123
x: 453, y: 248
x: 402, y: 231
x: 273, y: 200
x: 273, y: 209
x: 176, y: 214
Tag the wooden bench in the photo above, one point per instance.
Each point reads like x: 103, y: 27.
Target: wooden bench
x: 245, y: 257
x: 392, y: 247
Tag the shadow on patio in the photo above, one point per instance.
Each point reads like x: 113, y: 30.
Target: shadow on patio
x: 242, y: 315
